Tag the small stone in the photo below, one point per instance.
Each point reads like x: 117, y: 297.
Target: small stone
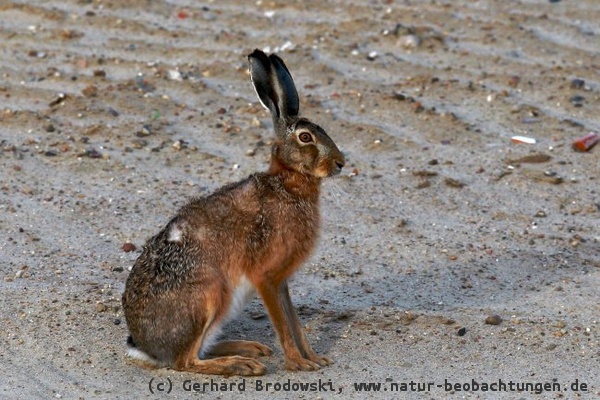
x: 92, y: 153
x: 417, y: 107
x: 35, y: 53
x: 90, y: 91
x: 536, y: 158
x: 100, y: 307
x: 551, y: 346
x: 139, y: 143
x: 179, y: 144
x: 560, y: 324
x: 117, y: 269
x: 400, y: 96
x: 494, y: 319
x: 540, y: 214
x: 409, y: 41
x: 462, y: 331
x: 69, y: 34
x: 372, y: 55
x: 424, y: 173
x: 523, y: 139
x: 577, y: 100
x: 117, y: 321
x: 250, y: 152
x: 129, y: 247
x: 175, y: 75
x: 58, y: 100
x: 514, y: 81
x: 257, y: 315
x: 454, y: 183
x: 145, y: 131
x: 577, y: 83
x: 49, y: 128
x: 92, y: 129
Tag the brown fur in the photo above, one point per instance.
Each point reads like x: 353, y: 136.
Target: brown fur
x: 190, y: 276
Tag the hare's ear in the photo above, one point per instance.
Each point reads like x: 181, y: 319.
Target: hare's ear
x: 262, y: 78
x: 289, y: 104
x: 274, y: 85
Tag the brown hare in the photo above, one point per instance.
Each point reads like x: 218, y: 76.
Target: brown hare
x: 201, y: 268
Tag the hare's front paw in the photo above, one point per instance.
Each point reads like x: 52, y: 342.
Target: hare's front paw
x: 305, y: 364
x: 321, y: 360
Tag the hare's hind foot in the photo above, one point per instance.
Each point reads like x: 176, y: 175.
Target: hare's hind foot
x: 242, y: 348
x: 228, y: 366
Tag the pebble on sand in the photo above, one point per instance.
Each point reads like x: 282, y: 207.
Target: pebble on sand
x: 454, y: 183
x: 586, y: 142
x: 128, y: 247
x: 494, y: 319
x: 523, y: 139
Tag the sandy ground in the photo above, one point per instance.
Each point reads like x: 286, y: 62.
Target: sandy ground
x: 113, y: 114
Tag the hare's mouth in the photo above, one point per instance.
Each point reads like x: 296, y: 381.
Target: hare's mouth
x: 326, y: 171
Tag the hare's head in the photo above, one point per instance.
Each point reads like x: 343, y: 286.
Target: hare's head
x: 301, y: 145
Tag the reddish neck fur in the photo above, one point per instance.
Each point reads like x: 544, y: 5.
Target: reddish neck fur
x: 301, y: 185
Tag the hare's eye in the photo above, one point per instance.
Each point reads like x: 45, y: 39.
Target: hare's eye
x: 305, y: 137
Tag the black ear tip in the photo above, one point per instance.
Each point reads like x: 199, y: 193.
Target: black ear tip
x: 257, y: 54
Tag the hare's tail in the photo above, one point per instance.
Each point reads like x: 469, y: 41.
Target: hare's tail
x: 139, y: 356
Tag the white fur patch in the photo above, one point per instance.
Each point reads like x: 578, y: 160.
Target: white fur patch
x: 240, y: 296
x: 139, y: 355
x: 175, y: 234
